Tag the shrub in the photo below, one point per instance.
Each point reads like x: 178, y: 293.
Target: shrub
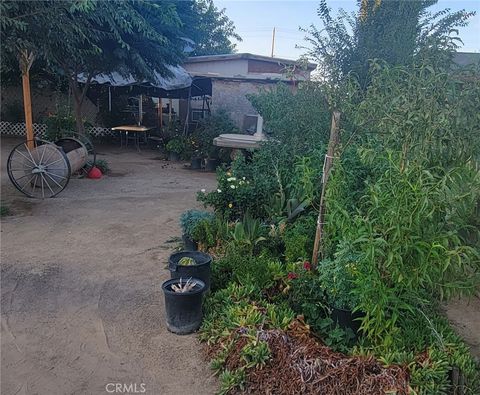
x: 191, y: 218
x: 209, y: 128
x: 176, y: 145
x: 59, y: 124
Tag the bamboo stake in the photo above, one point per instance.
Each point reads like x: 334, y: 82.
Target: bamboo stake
x: 327, y: 166
x: 26, y: 60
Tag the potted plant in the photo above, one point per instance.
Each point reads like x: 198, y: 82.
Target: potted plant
x: 188, y: 221
x: 183, y: 304
x: 174, y: 148
x: 337, y: 280
x: 195, y: 264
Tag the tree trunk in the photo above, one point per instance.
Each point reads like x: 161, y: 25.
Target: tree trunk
x: 77, y: 107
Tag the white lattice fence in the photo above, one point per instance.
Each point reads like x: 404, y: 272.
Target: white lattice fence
x: 18, y: 129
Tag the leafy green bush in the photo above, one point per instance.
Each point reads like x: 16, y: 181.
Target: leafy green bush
x: 59, y: 124
x: 209, y: 128
x: 176, y: 145
x: 298, y: 238
x: 236, y: 193
x: 191, y: 218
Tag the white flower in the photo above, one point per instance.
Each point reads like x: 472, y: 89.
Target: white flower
x: 203, y: 190
x: 219, y: 190
x: 231, y: 179
x: 244, y: 178
x: 232, y: 186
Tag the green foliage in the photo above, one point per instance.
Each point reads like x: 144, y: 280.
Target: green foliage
x: 187, y: 261
x: 337, y: 279
x: 237, y: 313
x: 213, y: 32
x: 191, y: 218
x: 397, y: 32
x: 407, y: 245
x: 262, y: 271
x: 103, y: 165
x: 299, y: 237
x: 230, y: 380
x: 209, y: 128
x: 428, y: 115
x: 59, y: 125
x: 255, y: 354
x: 248, y: 233
x: 209, y: 232
x: 236, y: 193
x: 175, y: 145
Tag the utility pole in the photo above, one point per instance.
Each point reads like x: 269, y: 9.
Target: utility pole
x: 273, y: 42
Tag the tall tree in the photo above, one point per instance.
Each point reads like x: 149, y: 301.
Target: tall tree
x: 213, y: 32
x: 91, y: 37
x: 392, y: 30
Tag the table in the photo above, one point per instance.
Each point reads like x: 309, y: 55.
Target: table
x: 135, y: 129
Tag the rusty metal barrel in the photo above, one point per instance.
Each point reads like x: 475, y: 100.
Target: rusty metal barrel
x: 42, y: 169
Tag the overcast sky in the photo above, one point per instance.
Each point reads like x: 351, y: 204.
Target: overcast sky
x: 255, y: 20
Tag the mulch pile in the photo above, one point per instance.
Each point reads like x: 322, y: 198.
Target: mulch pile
x: 300, y: 364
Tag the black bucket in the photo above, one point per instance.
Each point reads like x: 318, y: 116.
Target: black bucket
x: 183, y: 310
x: 201, y: 270
x: 211, y: 164
x: 347, y: 319
x: 196, y: 163
x: 189, y: 244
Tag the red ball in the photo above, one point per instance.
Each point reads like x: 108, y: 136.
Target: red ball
x: 94, y: 173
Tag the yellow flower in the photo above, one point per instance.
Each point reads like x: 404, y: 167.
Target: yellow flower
x: 230, y: 205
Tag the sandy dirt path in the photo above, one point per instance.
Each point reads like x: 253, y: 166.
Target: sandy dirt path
x: 81, y: 300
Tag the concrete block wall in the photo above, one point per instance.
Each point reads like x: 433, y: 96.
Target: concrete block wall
x: 231, y: 96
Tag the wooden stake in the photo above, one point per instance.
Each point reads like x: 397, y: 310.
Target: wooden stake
x: 328, y: 163
x: 160, y: 112
x: 26, y: 60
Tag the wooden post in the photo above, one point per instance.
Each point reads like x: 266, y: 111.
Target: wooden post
x: 140, y: 110
x: 160, y: 112
x: 26, y: 60
x: 327, y: 166
x: 170, y: 111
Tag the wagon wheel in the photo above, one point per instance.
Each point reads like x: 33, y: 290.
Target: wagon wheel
x: 39, y: 172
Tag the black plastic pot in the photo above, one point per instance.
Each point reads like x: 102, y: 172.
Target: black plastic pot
x: 346, y: 319
x: 189, y: 244
x: 201, y: 270
x: 173, y: 156
x: 196, y: 163
x: 211, y: 164
x: 183, y: 310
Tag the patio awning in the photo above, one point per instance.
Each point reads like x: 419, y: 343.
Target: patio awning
x: 179, y: 80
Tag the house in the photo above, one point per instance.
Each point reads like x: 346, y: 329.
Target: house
x: 202, y: 85
x: 229, y: 78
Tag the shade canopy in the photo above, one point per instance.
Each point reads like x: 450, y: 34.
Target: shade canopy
x: 180, y: 79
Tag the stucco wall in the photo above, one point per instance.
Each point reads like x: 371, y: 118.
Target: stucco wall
x: 223, y: 68
x: 231, y: 96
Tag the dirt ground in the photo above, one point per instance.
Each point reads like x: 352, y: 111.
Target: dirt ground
x: 81, y: 300
x: 80, y: 289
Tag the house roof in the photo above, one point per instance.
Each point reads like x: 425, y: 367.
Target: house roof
x: 236, y: 56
